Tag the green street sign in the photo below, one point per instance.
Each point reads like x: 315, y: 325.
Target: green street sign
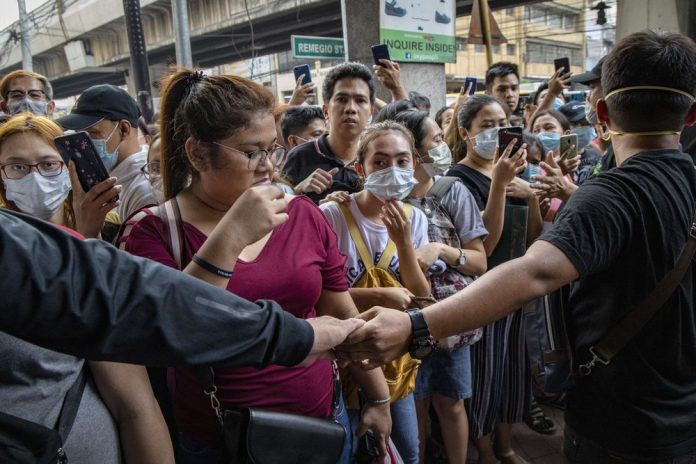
x: 304, y: 46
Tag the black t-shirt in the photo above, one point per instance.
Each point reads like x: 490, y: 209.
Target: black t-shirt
x: 304, y: 159
x: 513, y: 240
x: 623, y: 231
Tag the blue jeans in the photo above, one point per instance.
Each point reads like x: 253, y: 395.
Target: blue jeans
x: 190, y: 451
x: 579, y: 450
x: 405, y: 429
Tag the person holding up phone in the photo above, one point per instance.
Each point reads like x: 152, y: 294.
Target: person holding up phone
x: 117, y: 410
x: 36, y: 180
x: 500, y: 389
x: 110, y: 116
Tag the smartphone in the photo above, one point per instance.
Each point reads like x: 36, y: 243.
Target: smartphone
x: 566, y: 142
x: 79, y: 148
x: 380, y: 52
x: 524, y: 100
x: 562, y: 63
x: 506, y: 135
x: 303, y: 70
x: 472, y: 81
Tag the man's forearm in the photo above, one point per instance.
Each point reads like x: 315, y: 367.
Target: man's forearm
x: 501, y: 290
x: 94, y: 301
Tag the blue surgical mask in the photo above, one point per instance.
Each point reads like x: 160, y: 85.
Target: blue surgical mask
x: 486, y: 143
x: 557, y: 103
x: 586, y: 134
x: 529, y: 171
x: 38, y: 107
x: 550, y: 141
x: 108, y: 159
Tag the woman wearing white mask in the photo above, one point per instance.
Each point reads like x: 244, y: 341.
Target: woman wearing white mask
x: 510, y: 211
x: 117, y: 419
x: 151, y: 170
x: 385, y: 161
x: 456, y: 233
x: 36, y: 181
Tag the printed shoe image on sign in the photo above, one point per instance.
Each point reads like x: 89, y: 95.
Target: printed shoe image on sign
x: 392, y: 9
x: 442, y: 18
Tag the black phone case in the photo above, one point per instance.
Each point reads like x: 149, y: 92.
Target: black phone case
x: 506, y: 135
x: 380, y: 52
x: 79, y: 148
x: 473, y: 87
x: 564, y: 62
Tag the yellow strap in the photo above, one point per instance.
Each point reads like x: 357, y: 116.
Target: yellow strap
x: 390, y: 249
x: 357, y: 237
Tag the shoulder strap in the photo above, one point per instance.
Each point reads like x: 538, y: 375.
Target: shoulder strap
x: 174, y: 230
x: 390, y: 249
x: 441, y: 187
x: 357, y: 237
x: 618, y: 337
x: 70, y: 405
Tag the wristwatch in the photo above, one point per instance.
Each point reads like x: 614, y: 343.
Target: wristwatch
x: 422, y: 344
x: 461, y: 260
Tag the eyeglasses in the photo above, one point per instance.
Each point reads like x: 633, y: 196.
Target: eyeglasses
x: 33, y: 94
x: 258, y: 157
x: 20, y: 170
x: 151, y: 170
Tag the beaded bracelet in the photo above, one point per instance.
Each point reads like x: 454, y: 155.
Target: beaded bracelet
x: 213, y: 269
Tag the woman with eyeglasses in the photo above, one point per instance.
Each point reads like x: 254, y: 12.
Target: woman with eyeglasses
x: 151, y: 170
x: 240, y: 232
x: 118, y: 419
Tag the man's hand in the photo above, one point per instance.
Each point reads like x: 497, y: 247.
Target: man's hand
x: 384, y: 338
x: 329, y: 332
x: 559, y: 81
x: 301, y: 92
x: 390, y: 77
x: 318, y: 182
x: 92, y: 207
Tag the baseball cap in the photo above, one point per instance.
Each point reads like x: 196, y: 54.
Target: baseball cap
x: 99, y: 102
x: 574, y: 111
x: 594, y: 74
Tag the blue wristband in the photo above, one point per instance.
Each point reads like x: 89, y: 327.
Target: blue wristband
x: 213, y: 269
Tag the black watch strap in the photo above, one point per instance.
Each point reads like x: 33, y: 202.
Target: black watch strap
x: 419, y: 327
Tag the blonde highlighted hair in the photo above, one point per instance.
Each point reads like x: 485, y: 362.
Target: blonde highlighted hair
x: 46, y: 130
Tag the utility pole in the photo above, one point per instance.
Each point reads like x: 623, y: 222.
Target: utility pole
x: 27, y: 63
x: 138, y: 57
x: 182, y: 37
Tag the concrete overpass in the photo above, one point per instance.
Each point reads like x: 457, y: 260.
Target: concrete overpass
x: 94, y: 32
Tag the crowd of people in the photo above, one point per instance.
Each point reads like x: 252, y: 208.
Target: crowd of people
x: 332, y: 210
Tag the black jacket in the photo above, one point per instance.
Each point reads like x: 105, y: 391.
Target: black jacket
x: 91, y: 300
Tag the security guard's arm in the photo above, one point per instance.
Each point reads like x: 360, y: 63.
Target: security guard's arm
x: 94, y: 301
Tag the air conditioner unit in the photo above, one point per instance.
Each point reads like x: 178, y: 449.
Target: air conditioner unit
x: 78, y: 57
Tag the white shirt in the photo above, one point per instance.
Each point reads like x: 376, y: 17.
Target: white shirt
x: 375, y: 237
x: 136, y: 191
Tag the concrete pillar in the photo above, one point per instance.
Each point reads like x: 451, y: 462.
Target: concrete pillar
x: 639, y: 15
x: 362, y: 19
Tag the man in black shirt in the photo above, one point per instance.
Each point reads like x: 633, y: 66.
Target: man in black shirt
x: 325, y: 165
x: 619, y: 235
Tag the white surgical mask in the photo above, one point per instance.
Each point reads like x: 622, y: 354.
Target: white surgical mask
x: 157, y: 189
x: 38, y: 107
x: 391, y: 183
x: 591, y: 113
x: 486, y: 143
x: 38, y: 195
x: 442, y: 160
x: 108, y: 159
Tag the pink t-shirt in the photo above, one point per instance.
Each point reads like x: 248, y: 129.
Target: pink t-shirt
x: 299, y: 260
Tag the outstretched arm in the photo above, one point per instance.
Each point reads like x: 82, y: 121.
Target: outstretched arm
x: 91, y: 300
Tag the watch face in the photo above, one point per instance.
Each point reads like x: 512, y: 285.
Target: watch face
x: 420, y: 349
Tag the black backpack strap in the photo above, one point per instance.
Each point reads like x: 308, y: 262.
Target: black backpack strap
x: 68, y: 412
x: 441, y: 187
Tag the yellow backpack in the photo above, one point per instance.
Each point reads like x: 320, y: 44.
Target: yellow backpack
x: 400, y: 373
